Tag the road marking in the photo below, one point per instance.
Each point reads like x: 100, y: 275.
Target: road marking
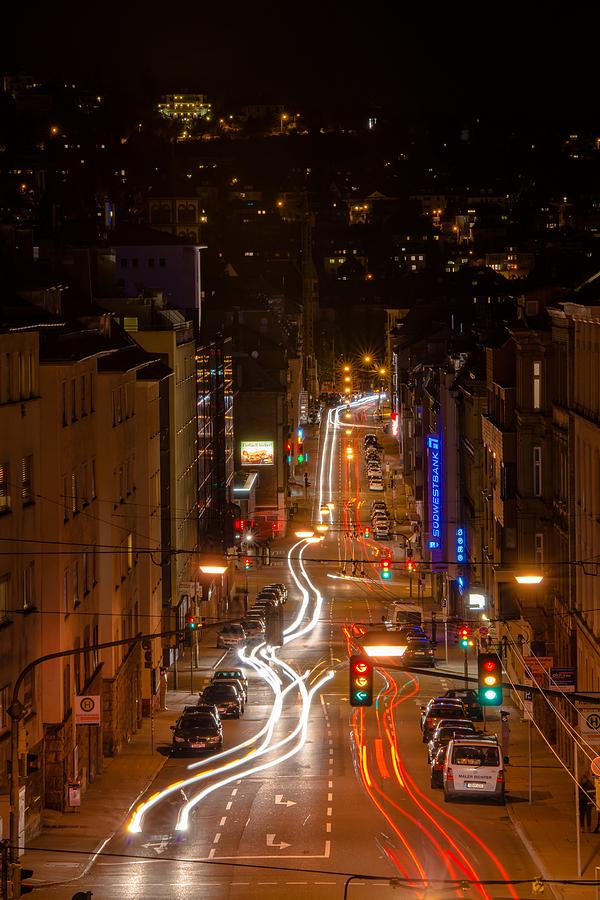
x: 229, y: 805
x: 222, y: 822
x: 212, y: 853
x: 328, y: 827
x: 329, y: 811
x: 234, y: 792
x: 271, y: 842
x: 330, y: 784
x: 281, y: 802
x: 217, y: 838
x: 329, y: 798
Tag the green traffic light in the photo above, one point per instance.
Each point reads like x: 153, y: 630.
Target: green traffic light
x: 490, y: 694
x: 464, y: 643
x: 386, y: 575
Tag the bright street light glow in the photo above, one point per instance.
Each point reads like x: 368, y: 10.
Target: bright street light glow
x: 213, y: 570
x: 304, y: 534
x: 529, y: 579
x: 384, y: 650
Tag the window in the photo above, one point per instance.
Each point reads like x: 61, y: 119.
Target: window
x: 123, y: 263
x: 83, y: 397
x: 537, y: 471
x: 67, y: 688
x: 66, y: 583
x: 27, y: 479
x: 162, y: 262
x: 64, y: 403
x: 29, y: 585
x: 86, y: 572
x: 130, y: 559
x: 4, y: 704
x: 151, y: 262
x: 76, y: 597
x: 4, y: 489
x: 4, y: 597
x: 134, y: 262
x: 539, y: 549
x: 74, y: 496
x: 92, y: 386
x: 537, y: 385
x: 73, y: 400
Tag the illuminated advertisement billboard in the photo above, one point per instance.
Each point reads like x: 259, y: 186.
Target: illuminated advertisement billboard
x: 434, y: 460
x: 257, y: 453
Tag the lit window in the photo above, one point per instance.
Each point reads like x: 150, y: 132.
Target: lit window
x: 4, y: 488
x: 537, y: 385
x: 4, y: 596
x: 27, y: 479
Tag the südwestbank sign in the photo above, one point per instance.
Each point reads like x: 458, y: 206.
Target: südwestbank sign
x: 434, y: 481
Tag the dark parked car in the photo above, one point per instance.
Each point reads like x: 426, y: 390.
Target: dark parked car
x: 234, y: 673
x: 226, y: 698
x: 444, y: 733
x: 196, y: 732
x: 470, y: 701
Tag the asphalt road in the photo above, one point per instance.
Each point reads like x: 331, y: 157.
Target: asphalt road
x: 353, y: 800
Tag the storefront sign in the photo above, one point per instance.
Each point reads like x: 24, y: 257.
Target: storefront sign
x: 434, y: 460
x: 563, y: 678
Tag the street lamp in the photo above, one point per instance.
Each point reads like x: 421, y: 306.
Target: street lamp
x: 283, y: 118
x: 529, y: 579
x: 213, y: 565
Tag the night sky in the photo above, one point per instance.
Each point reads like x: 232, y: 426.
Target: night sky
x: 531, y: 59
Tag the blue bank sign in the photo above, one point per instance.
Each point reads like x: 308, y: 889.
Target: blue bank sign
x: 434, y: 463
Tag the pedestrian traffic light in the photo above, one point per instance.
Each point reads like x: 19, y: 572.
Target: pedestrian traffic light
x: 386, y: 572
x: 300, y: 455
x: 361, y: 681
x: 191, y: 622
x: 489, y: 679
x: 464, y: 633
x: 247, y: 563
x: 290, y: 451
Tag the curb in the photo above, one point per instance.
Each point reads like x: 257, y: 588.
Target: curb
x: 557, y: 893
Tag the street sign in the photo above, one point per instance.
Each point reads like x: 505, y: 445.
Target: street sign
x: 595, y: 766
x: 589, y: 723
x: 87, y: 709
x: 538, y: 667
x: 563, y: 678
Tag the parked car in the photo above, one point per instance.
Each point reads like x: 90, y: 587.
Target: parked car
x: 231, y: 635
x: 470, y: 701
x: 445, y: 731
x: 436, y: 714
x: 436, y: 768
x: 196, y: 732
x: 375, y: 485
x: 269, y: 594
x: 378, y: 505
x: 200, y: 707
x: 254, y: 627
x: 229, y: 675
x: 439, y: 701
x: 281, y: 588
x: 473, y: 768
x: 225, y: 697
x: 237, y: 685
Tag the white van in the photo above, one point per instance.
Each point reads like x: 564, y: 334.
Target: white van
x: 473, y: 768
x: 399, y: 614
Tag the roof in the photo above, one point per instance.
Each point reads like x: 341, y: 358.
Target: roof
x: 128, y: 235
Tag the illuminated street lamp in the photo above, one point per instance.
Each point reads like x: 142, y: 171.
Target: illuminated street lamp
x: 213, y: 565
x: 529, y: 579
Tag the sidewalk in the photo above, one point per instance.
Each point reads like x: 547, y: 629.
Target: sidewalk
x: 106, y: 803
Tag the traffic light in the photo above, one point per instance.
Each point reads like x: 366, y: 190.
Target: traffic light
x: 361, y: 681
x: 409, y: 564
x: 17, y: 876
x: 489, y: 679
x: 367, y: 532
x: 191, y: 622
x: 386, y: 572
x: 300, y: 455
x: 247, y: 564
x: 464, y: 633
x: 290, y: 452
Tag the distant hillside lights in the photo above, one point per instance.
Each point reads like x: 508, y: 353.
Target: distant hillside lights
x: 185, y: 108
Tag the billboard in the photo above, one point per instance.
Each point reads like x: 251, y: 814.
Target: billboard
x: 257, y: 453
x: 434, y: 460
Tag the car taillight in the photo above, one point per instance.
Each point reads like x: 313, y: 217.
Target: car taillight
x: 500, y: 777
x: 449, y: 775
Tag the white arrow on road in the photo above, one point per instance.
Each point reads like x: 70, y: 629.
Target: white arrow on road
x: 159, y: 848
x: 271, y: 843
x: 281, y: 802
